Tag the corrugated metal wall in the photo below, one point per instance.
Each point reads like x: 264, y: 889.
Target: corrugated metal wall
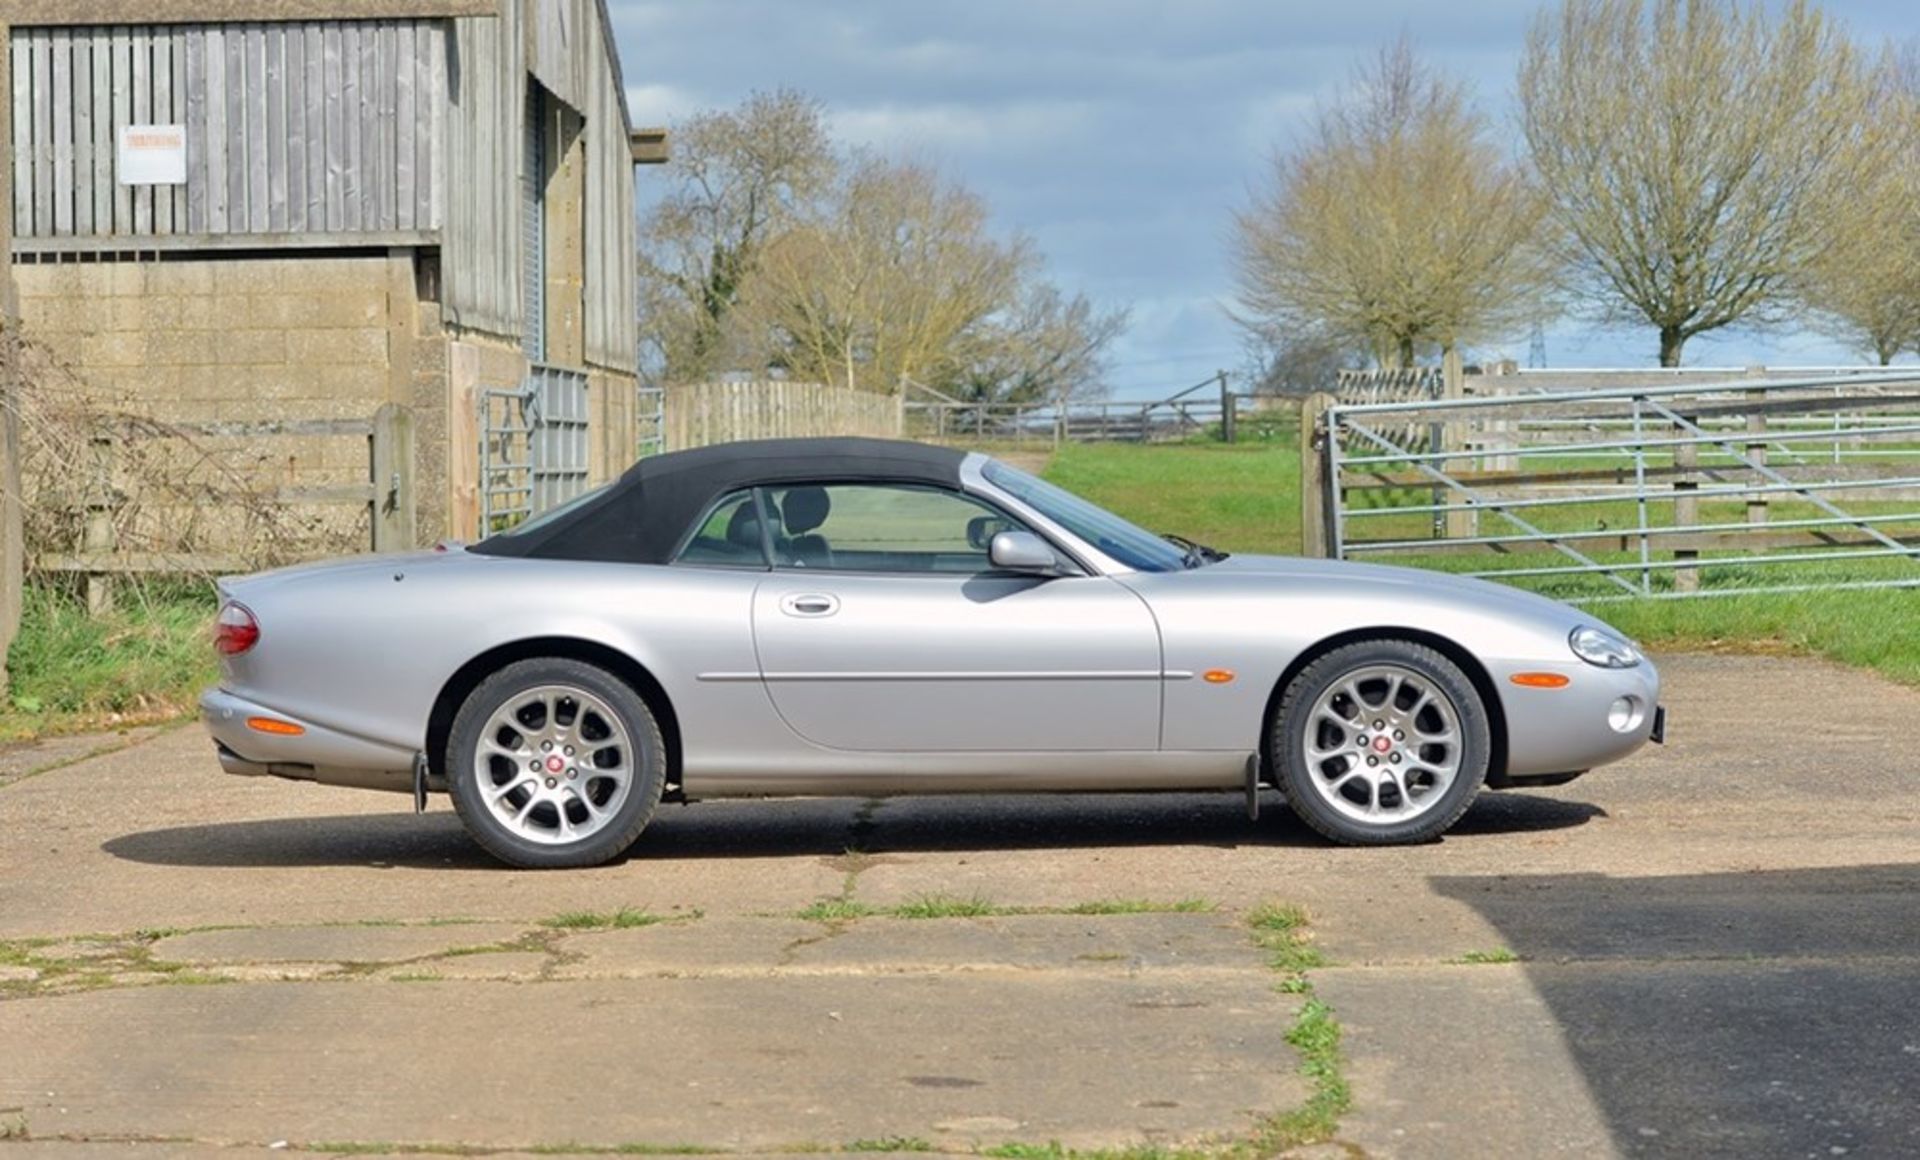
x: 311, y: 127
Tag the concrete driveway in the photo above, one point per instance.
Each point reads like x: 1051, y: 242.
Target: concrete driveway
x: 1712, y: 949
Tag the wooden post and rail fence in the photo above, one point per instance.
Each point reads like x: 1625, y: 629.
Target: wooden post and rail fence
x: 387, y: 494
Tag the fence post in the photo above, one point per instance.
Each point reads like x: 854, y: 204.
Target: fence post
x: 1757, y: 446
x: 1315, y: 486
x: 1454, y: 436
x: 96, y: 537
x: 1228, y: 420
x: 392, y: 479
x: 1686, y: 506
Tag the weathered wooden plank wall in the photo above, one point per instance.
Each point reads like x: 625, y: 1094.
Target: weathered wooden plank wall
x: 291, y: 127
x: 563, y: 45
x: 480, y: 256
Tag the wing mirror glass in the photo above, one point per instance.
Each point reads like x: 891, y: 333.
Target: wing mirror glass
x: 1022, y: 552
x: 982, y: 529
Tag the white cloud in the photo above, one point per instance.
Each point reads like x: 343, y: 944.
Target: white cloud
x: 956, y: 128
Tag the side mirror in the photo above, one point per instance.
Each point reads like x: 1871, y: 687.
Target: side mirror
x: 982, y: 529
x: 1022, y: 552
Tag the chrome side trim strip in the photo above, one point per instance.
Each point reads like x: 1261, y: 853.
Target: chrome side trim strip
x: 1034, y: 675
x: 874, y: 676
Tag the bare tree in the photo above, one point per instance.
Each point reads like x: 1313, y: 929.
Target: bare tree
x: 1690, y: 148
x: 738, y: 178
x: 884, y: 279
x: 1046, y: 346
x: 1398, y: 223
x: 1864, y: 285
x: 1296, y: 363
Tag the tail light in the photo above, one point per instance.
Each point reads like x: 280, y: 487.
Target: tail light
x: 235, y: 630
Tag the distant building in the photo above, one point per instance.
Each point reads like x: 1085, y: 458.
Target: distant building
x: 274, y: 220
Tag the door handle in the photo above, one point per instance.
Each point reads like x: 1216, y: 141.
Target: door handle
x: 809, y: 604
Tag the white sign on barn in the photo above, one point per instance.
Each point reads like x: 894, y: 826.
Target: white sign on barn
x: 153, y: 155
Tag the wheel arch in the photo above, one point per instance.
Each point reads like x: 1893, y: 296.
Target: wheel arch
x: 468, y: 677
x: 1445, y: 646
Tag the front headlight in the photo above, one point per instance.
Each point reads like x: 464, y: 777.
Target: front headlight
x: 1597, y: 646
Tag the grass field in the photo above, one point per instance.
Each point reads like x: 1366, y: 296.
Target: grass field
x: 1246, y: 499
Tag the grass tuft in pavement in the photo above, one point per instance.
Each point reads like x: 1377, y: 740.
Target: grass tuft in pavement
x: 1282, y: 930
x: 1477, y: 958
x: 947, y: 906
x: 837, y: 910
x: 623, y: 919
x: 891, y: 1144
x: 1316, y: 1036
x: 1105, y: 906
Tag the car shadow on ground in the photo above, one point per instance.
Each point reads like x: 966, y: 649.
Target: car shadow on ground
x: 1763, y: 1013
x: 818, y: 827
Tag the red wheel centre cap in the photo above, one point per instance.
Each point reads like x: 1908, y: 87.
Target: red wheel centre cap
x: 556, y: 763
x: 1381, y: 744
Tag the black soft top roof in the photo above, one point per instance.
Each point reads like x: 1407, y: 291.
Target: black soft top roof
x: 643, y: 515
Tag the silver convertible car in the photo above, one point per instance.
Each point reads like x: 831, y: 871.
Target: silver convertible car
x: 852, y: 616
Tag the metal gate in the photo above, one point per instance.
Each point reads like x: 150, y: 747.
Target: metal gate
x: 650, y: 422
x: 533, y: 447
x: 1746, y: 486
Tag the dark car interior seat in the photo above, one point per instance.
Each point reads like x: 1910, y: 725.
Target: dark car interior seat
x: 743, y: 531
x: 803, y: 510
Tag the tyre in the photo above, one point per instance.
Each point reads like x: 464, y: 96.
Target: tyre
x: 1381, y: 742
x: 555, y: 763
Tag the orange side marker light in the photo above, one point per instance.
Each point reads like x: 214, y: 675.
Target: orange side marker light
x: 1217, y: 676
x: 275, y: 725
x: 1541, y: 680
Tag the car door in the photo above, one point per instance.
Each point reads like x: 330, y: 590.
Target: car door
x: 883, y: 628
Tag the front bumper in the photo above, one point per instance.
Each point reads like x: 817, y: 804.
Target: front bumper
x: 1551, y: 730
x: 317, y: 753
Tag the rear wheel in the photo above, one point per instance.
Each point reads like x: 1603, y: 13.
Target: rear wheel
x: 1381, y: 742
x: 555, y: 763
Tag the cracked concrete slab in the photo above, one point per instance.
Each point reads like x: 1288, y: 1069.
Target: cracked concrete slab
x: 1039, y: 942
x: 1457, y: 1061
x: 737, y: 1063
x: 328, y: 944
x: 711, y: 945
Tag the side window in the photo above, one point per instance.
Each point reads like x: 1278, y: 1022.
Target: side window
x: 729, y: 537
x: 883, y: 528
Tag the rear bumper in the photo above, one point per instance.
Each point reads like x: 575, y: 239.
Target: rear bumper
x: 317, y: 753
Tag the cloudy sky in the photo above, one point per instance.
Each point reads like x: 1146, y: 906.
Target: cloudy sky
x: 1120, y: 134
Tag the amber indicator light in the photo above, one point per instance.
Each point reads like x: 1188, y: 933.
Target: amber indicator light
x: 1541, y: 680
x: 1217, y: 676
x: 275, y: 725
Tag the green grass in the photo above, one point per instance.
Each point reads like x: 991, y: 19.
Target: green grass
x: 1479, y: 958
x: 1281, y: 929
x: 1104, y: 906
x: 1316, y: 1036
x: 1246, y: 498
x: 946, y: 906
x: 145, y: 660
x: 837, y: 910
x: 623, y: 919
x: 1242, y: 498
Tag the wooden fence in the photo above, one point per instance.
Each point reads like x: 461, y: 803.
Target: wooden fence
x: 699, y: 414
x: 385, y: 493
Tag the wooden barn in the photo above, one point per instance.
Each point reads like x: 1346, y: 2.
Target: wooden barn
x: 377, y: 253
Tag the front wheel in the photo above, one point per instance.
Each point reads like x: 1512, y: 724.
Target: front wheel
x: 555, y: 763
x: 1381, y: 742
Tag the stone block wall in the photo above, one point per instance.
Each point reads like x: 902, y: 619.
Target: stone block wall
x: 227, y: 340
